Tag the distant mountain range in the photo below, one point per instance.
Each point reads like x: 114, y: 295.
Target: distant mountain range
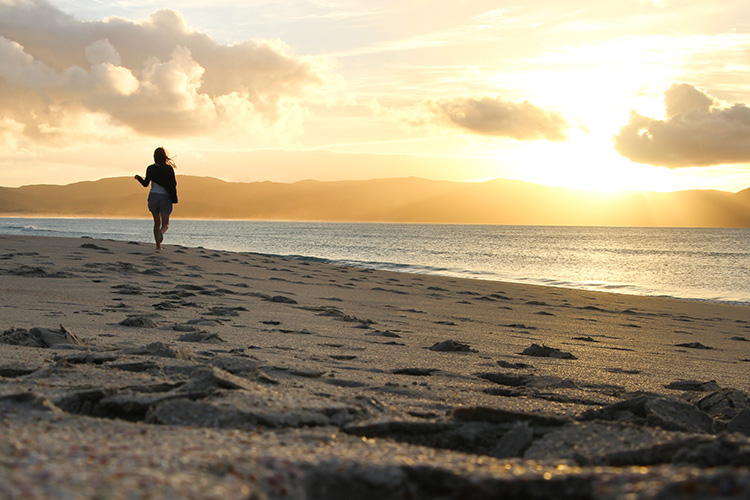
x: 499, y: 201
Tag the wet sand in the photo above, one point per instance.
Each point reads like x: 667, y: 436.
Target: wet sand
x: 194, y: 373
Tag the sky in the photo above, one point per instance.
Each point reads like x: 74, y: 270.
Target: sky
x: 618, y: 95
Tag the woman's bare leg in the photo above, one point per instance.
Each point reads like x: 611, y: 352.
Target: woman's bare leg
x: 157, y: 229
x: 164, y: 223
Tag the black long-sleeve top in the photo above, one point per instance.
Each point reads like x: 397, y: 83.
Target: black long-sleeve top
x: 163, y: 175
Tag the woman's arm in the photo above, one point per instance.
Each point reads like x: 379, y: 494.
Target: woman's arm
x: 144, y: 182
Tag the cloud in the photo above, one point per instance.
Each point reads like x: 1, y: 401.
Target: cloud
x: 157, y: 77
x: 697, y: 132
x: 492, y: 116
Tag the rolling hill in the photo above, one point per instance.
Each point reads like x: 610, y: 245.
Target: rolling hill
x: 499, y: 201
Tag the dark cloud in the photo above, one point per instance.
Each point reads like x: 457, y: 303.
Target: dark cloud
x: 157, y: 77
x: 495, y: 117
x: 697, y: 132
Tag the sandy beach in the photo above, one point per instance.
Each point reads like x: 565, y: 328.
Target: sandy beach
x: 194, y: 373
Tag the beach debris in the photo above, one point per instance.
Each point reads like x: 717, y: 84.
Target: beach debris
x: 39, y: 337
x: 543, y: 351
x: 694, y: 345
x: 184, y: 328
x: 93, y: 246
x: 514, y: 442
x: 282, y: 299
x: 83, y: 358
x: 235, y: 365
x: 226, y: 311
x: 204, y: 322
x: 417, y: 372
x: 451, y: 346
x: 740, y: 423
x: 724, y: 404
x: 17, y: 370
x: 38, y: 272
x: 536, y: 303
x: 693, y: 385
x: 515, y: 366
x: 128, y: 289
x: 386, y: 333
x: 161, y: 350
x: 138, y: 322
x: 201, y: 337
x: 137, y: 366
x: 499, y: 416
x: 519, y: 326
x: 668, y: 413
x: 624, y: 371
x: 512, y: 380
x: 609, y: 444
x: 333, y: 312
x: 28, y: 401
x: 207, y: 379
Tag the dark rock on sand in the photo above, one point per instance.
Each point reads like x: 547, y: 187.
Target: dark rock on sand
x: 472, y: 437
x: 388, y: 334
x: 40, y: 337
x: 740, y: 423
x: 86, y: 358
x: 201, y: 337
x: 715, y: 484
x: 209, y: 378
x: 26, y: 401
x: 137, y: 366
x: 693, y: 385
x: 333, y: 479
x: 128, y: 289
x: 282, y: 299
x: 544, y: 351
x: 622, y: 445
x: 19, y: 370
x: 92, y: 246
x: 248, y: 409
x: 694, y: 345
x: 515, y: 366
x: 514, y: 442
x: 451, y: 346
x: 204, y: 322
x: 717, y: 453
x: 138, y: 322
x: 235, y: 365
x: 724, y: 404
x: 162, y: 350
x: 418, y: 372
x: 38, y: 272
x: 226, y: 311
x: 668, y: 413
x: 512, y: 380
x: 498, y: 415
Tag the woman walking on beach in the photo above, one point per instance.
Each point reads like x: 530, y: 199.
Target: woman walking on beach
x: 163, y: 192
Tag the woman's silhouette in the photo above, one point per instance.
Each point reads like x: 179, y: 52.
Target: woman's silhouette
x: 163, y: 192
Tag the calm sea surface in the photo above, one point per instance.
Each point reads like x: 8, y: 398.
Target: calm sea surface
x: 705, y: 264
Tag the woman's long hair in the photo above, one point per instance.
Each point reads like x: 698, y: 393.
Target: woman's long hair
x: 161, y: 158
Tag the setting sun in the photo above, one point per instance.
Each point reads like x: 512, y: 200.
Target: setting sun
x: 608, y: 97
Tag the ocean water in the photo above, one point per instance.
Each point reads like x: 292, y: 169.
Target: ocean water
x: 691, y: 263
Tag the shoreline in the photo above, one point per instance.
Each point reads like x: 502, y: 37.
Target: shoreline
x: 500, y: 280
x: 714, y: 290
x: 213, y: 374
